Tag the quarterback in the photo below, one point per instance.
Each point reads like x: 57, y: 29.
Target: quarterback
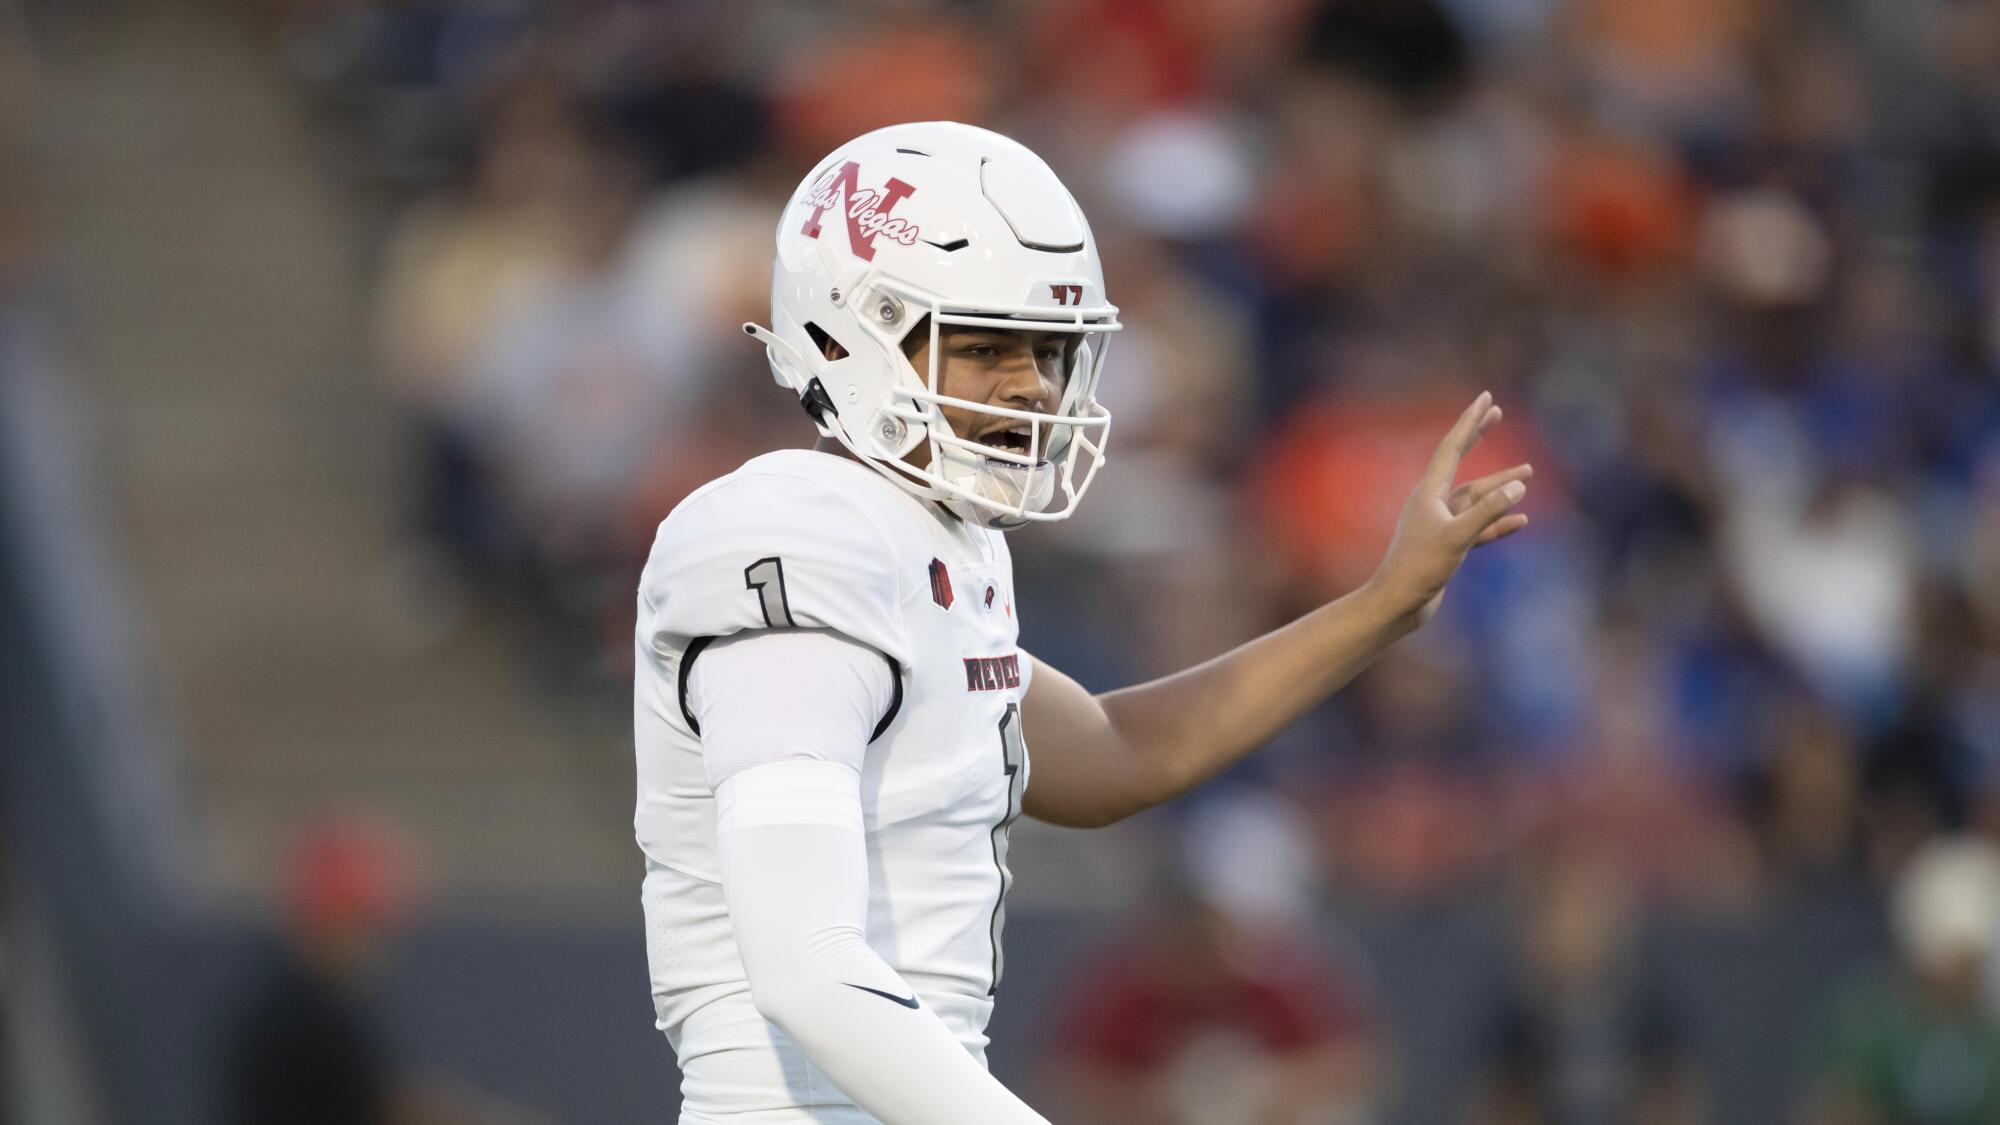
x: 835, y: 727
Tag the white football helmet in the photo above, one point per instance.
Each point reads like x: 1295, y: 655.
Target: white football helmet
x: 947, y: 224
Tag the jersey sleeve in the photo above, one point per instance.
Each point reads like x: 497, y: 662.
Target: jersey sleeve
x: 772, y: 552
x: 834, y: 690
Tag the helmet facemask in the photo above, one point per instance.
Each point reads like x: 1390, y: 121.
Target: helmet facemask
x: 996, y: 487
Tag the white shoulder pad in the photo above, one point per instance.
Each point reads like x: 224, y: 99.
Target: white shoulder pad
x: 770, y: 551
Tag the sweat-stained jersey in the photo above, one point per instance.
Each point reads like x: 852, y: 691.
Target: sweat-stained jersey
x: 802, y: 539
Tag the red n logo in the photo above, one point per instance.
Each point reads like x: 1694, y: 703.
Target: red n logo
x: 867, y: 210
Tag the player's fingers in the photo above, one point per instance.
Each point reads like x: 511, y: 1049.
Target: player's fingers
x: 1472, y: 492
x: 1490, y: 507
x: 1463, y: 434
x: 1502, y: 528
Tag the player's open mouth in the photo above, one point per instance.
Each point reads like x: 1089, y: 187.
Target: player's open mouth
x: 1013, y: 439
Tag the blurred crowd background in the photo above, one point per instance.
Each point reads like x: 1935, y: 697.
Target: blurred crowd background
x: 1686, y: 809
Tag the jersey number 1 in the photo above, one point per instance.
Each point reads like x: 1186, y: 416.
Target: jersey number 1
x: 767, y: 577
x: 1014, y: 760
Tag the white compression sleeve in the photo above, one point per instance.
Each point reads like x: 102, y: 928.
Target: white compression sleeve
x: 795, y: 875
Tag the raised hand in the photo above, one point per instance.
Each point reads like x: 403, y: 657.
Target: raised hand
x: 1441, y: 523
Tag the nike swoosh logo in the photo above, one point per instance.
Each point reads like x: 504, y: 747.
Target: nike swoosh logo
x: 889, y: 996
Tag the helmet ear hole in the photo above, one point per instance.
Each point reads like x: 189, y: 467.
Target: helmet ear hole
x: 828, y: 347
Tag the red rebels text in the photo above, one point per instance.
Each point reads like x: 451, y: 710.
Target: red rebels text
x: 991, y: 673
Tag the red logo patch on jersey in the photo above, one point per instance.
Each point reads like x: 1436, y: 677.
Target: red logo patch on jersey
x: 989, y: 596
x: 992, y: 673
x: 940, y: 584
x: 867, y: 210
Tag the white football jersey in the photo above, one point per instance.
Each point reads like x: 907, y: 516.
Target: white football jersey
x: 806, y: 539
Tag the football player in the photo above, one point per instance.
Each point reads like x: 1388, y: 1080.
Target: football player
x: 833, y: 720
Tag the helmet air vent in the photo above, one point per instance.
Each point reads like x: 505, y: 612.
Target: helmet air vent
x: 1033, y: 203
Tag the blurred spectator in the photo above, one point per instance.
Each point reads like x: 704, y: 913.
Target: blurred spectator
x: 1631, y: 798
x: 1404, y: 813
x: 1584, y: 1035
x: 1220, y: 1006
x: 1833, y: 584
x: 1623, y: 207
x: 916, y: 66
x: 1810, y: 803
x: 307, y: 1049
x: 1923, y: 1048
x: 456, y: 270
x: 1410, y: 47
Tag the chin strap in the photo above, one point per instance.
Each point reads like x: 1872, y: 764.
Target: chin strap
x: 818, y: 403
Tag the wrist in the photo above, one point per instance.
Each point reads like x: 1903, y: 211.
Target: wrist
x: 1398, y: 613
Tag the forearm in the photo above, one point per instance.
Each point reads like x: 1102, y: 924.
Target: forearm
x: 1115, y: 754
x: 795, y: 874
x: 1180, y: 730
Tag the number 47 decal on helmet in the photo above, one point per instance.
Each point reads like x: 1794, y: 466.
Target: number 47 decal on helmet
x: 1067, y: 294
